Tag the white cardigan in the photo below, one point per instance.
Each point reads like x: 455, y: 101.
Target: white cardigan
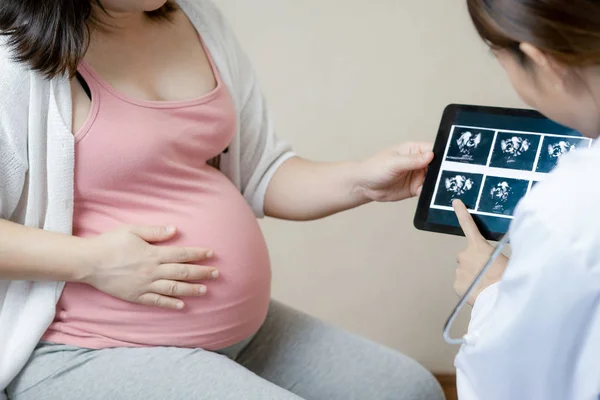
x: 36, y: 167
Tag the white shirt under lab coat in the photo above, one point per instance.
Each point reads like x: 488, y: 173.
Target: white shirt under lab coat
x: 536, y: 334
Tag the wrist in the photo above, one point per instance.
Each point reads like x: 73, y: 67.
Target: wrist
x: 481, y: 292
x: 357, y: 183
x: 86, y: 260
x: 483, y: 286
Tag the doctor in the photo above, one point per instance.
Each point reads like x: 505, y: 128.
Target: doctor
x: 535, y: 327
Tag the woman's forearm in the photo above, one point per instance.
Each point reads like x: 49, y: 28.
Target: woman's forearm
x: 303, y: 190
x: 38, y: 255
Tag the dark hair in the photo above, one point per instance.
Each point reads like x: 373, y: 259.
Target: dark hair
x: 52, y: 37
x: 569, y: 31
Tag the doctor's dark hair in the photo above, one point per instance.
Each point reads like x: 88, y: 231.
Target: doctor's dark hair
x: 569, y: 31
x: 52, y: 36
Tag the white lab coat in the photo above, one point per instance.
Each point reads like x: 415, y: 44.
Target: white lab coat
x: 536, y: 334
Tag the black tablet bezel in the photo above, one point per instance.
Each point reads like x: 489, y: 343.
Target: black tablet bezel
x: 448, y: 119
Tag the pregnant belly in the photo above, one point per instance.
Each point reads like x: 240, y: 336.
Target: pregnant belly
x: 234, y: 307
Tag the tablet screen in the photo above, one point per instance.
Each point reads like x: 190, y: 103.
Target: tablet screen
x: 490, y: 160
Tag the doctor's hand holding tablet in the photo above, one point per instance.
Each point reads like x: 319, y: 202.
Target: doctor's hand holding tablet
x: 486, y: 160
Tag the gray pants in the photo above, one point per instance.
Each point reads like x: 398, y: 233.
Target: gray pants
x: 292, y: 357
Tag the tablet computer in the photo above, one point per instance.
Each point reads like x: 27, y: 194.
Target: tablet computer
x: 490, y: 158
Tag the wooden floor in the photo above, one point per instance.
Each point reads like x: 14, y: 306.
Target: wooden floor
x: 448, y: 383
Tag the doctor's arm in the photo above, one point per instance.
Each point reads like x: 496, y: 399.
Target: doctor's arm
x: 532, y: 334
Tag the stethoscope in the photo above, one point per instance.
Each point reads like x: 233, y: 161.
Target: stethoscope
x: 448, y: 326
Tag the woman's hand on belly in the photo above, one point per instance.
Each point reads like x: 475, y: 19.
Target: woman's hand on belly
x: 124, y: 264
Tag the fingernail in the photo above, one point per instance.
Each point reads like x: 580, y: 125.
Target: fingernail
x: 170, y: 229
x: 210, y: 254
x: 180, y: 305
x: 202, y: 290
x: 214, y: 274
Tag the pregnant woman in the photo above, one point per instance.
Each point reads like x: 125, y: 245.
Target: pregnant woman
x: 136, y: 153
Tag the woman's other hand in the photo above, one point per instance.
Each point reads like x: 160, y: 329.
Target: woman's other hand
x: 124, y: 264
x: 472, y: 260
x: 395, y: 174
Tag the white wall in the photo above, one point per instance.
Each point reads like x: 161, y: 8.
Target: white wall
x: 345, y: 79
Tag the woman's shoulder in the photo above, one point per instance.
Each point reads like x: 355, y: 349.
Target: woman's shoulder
x: 232, y: 61
x: 14, y: 76
x: 15, y: 108
x: 8, y: 64
x: 567, y: 201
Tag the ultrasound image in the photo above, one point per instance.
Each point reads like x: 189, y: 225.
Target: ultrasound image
x: 471, y: 146
x: 515, y: 151
x: 458, y: 185
x: 553, y: 148
x: 501, y: 195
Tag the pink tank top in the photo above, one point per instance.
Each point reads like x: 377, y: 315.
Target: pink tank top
x: 140, y: 162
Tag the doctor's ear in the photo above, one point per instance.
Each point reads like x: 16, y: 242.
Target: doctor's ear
x: 553, y: 72
x: 534, y: 54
